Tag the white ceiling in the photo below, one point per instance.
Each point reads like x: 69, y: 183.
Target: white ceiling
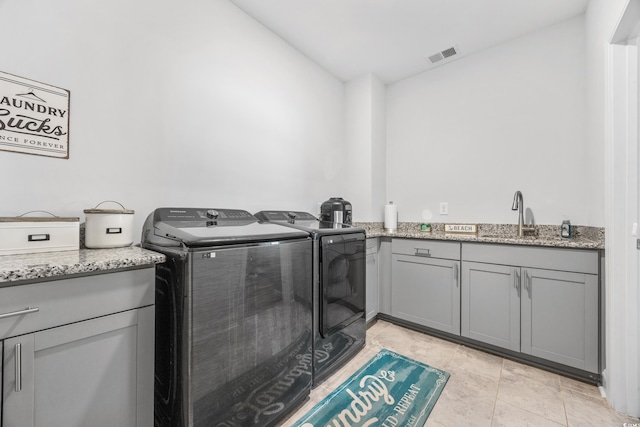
x: 394, y: 38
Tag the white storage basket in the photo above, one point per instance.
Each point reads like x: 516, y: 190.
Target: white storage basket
x: 108, y: 228
x: 23, y: 235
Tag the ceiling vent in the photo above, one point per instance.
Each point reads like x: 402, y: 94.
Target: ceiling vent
x: 447, y: 53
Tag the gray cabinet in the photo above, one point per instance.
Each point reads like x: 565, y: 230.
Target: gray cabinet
x: 490, y: 301
x: 541, y: 302
x: 426, y: 283
x: 85, y: 357
x: 384, y: 276
x: 560, y: 317
x: 372, y: 278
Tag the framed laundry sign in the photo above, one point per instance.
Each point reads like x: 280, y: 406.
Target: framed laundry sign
x: 34, y: 117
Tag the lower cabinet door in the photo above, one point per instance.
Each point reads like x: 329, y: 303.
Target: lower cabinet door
x: 96, y: 373
x: 372, y: 278
x: 560, y: 317
x: 491, y: 304
x: 426, y: 291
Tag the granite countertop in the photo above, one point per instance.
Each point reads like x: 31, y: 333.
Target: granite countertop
x: 582, y: 237
x: 14, y: 268
x: 38, y: 266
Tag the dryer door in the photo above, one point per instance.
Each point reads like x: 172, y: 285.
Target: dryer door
x: 342, y: 281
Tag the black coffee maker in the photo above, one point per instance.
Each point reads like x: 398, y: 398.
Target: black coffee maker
x: 336, y: 209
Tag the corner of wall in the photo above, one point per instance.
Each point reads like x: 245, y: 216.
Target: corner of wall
x: 366, y: 145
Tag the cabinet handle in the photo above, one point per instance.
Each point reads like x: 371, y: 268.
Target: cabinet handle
x: 20, y: 313
x: 419, y: 252
x: 527, y: 283
x: 517, y: 280
x: 18, y: 355
x: 455, y: 274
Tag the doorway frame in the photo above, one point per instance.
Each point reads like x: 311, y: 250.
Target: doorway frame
x: 621, y: 376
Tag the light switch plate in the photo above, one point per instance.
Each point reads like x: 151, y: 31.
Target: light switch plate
x: 444, y: 208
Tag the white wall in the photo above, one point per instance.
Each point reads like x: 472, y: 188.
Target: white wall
x: 358, y: 145
x: 365, y: 147
x: 474, y: 131
x: 172, y: 103
x: 378, y: 150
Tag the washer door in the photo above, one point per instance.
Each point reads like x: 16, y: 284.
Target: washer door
x: 342, y: 281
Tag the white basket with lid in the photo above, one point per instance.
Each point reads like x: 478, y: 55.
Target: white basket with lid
x: 24, y: 234
x: 108, y: 228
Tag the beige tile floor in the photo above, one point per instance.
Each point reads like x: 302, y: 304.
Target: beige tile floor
x: 483, y: 390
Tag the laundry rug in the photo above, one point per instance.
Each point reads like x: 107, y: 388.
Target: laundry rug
x: 390, y: 390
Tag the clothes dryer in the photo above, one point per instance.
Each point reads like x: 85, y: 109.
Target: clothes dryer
x: 339, y: 286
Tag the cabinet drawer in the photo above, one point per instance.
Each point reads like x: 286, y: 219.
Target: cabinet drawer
x: 65, y: 301
x: 563, y: 259
x: 426, y: 248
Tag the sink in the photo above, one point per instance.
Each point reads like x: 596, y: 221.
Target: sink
x: 514, y: 237
x: 496, y: 236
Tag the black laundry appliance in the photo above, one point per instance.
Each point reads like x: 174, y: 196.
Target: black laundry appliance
x: 233, y: 318
x: 339, y: 286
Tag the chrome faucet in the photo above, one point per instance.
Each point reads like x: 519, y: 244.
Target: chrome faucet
x: 517, y: 205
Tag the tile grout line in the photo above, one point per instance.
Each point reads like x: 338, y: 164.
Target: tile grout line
x: 453, y: 356
x: 446, y: 368
x: 495, y: 402
x: 564, y: 404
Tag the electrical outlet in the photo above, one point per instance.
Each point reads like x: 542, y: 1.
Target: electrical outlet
x: 444, y: 208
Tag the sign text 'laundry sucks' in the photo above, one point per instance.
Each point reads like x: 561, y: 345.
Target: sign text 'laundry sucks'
x: 34, y: 117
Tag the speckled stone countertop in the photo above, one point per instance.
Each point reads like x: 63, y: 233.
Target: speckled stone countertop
x: 582, y: 237
x: 14, y: 268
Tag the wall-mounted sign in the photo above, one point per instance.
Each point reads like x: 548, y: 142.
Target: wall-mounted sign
x: 34, y: 117
x: 460, y: 228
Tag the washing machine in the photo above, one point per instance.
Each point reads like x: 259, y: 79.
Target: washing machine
x: 233, y: 318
